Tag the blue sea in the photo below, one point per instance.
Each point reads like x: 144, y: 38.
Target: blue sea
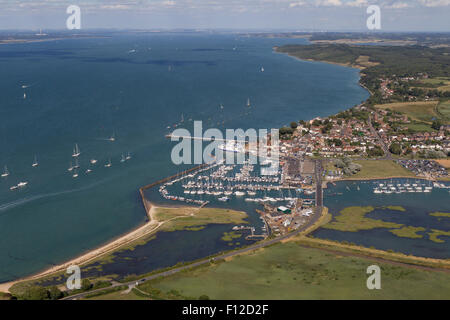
x: 60, y: 93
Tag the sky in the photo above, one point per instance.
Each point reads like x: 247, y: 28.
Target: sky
x: 289, y: 15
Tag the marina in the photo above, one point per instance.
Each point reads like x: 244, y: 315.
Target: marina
x: 223, y: 182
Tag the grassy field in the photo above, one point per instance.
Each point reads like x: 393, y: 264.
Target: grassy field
x: 434, y: 235
x: 408, y: 232
x: 121, y: 295
x: 420, y: 111
x: 440, y: 214
x: 289, y: 271
x: 440, y: 83
x: 443, y: 109
x: 374, y: 169
x: 189, y: 217
x: 353, y: 219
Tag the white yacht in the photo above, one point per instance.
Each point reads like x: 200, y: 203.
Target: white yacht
x: 109, y: 164
x: 128, y: 157
x: 13, y: 188
x: 112, y: 138
x: 93, y: 161
x: 75, y: 174
x: 5, y: 172
x: 22, y: 184
x: 76, y: 151
x: 70, y: 168
x: 35, y: 162
x: 76, y: 166
x: 88, y: 170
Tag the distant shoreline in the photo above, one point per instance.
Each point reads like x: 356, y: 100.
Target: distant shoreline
x: 21, y: 41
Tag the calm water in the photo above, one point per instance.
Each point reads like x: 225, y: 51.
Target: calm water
x: 134, y: 86
x: 417, y: 206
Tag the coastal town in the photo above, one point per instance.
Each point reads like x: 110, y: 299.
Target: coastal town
x: 368, y: 133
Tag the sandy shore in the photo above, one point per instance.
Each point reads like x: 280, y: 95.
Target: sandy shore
x: 149, y: 227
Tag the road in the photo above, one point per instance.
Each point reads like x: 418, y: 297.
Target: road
x: 257, y: 245
x: 387, y: 153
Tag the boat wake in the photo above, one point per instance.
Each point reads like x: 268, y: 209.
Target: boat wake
x: 13, y: 204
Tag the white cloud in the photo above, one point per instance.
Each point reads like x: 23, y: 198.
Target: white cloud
x: 328, y: 3
x: 357, y: 3
x: 400, y: 5
x: 297, y: 4
x: 168, y: 3
x: 435, y: 3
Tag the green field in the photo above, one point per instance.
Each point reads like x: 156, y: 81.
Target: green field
x: 290, y: 271
x: 353, y: 219
x: 420, y: 111
x: 374, y: 169
x: 443, y: 109
x: 187, y: 218
x: 440, y: 214
x: 408, y: 232
x: 440, y: 83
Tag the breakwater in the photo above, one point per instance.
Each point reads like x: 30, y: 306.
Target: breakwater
x: 147, y: 204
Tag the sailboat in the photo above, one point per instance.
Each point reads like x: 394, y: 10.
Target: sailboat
x: 70, y: 168
x: 75, y: 174
x: 112, y: 138
x: 35, y: 163
x: 76, y: 151
x: 93, y: 161
x: 262, y: 69
x: 123, y: 158
x: 128, y: 157
x: 24, y: 95
x: 248, y: 102
x: 5, y: 172
x: 76, y: 166
x: 109, y: 164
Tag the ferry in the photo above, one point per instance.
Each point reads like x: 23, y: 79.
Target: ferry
x: 231, y: 146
